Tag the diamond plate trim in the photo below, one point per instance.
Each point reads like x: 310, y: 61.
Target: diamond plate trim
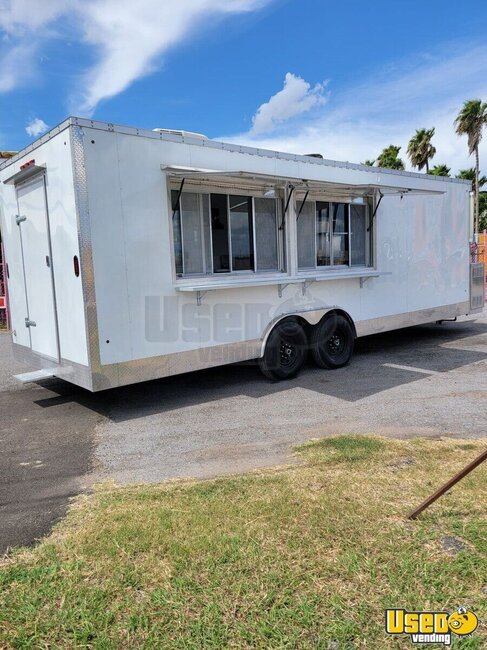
x: 85, y: 247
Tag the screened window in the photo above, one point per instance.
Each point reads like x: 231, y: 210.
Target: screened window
x: 242, y: 233
x: 192, y: 234
x: 340, y: 234
x: 358, y: 235
x: 266, y: 234
x: 177, y: 235
x: 221, y: 233
x: 323, y: 241
x: 307, y: 236
x: 332, y: 234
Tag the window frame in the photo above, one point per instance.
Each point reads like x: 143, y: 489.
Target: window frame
x: 207, y: 191
x: 231, y: 270
x: 369, y: 252
x: 369, y: 236
x: 205, y: 272
x: 280, y: 242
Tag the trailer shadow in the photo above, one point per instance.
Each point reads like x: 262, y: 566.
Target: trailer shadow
x: 380, y: 362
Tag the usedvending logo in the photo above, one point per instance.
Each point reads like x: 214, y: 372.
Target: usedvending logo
x: 431, y: 627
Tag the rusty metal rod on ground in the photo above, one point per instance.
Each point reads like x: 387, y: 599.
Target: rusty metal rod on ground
x: 448, y: 485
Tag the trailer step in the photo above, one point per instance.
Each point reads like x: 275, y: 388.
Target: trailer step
x: 27, y: 377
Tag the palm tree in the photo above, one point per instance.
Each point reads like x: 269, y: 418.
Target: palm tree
x: 420, y: 150
x: 369, y: 163
x: 440, y: 170
x: 482, y: 211
x: 469, y: 175
x: 470, y: 121
x: 389, y: 158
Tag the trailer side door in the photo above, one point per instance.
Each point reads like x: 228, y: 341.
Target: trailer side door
x: 33, y: 221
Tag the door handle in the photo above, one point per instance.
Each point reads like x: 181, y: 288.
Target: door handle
x: 48, y: 261
x: 19, y: 218
x: 30, y: 323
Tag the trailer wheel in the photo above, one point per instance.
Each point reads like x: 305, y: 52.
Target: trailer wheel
x: 285, y: 351
x: 332, y: 342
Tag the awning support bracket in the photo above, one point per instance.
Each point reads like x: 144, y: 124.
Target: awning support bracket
x: 381, y: 196
x: 306, y: 284
x: 199, y: 297
x: 281, y: 227
x: 302, y: 204
x: 280, y: 288
x: 363, y: 281
x: 176, y: 203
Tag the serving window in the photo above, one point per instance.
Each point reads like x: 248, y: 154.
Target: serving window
x: 333, y: 234
x: 216, y: 233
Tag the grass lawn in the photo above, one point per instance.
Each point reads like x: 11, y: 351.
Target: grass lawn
x: 306, y: 556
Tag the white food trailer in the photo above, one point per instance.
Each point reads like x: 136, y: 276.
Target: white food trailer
x: 135, y: 254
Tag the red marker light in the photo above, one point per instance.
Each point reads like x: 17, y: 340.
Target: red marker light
x: 76, y: 266
x: 27, y: 164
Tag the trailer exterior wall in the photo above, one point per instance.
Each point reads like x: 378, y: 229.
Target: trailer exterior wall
x: 422, y: 241
x: 56, y: 154
x: 143, y: 322
x: 13, y: 261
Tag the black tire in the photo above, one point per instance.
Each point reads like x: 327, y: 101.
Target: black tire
x: 285, y: 351
x: 332, y: 342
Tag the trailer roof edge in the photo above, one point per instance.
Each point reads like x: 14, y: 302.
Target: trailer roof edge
x: 216, y: 144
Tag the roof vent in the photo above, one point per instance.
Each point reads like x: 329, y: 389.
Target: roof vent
x: 183, y: 134
x: 314, y: 155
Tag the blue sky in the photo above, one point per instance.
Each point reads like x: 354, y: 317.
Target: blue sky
x: 341, y: 78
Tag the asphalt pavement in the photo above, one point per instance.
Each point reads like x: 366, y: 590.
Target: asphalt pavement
x: 57, y: 439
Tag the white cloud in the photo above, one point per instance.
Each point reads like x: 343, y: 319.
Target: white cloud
x: 18, y: 17
x: 36, y: 127
x: 296, y: 97
x: 131, y: 36
x: 360, y: 120
x: 128, y: 37
x: 24, y: 26
x: 13, y: 68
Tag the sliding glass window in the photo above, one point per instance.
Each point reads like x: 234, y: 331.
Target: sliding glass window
x: 306, y: 227
x: 340, y: 234
x: 359, y: 236
x: 323, y: 247
x: 333, y: 234
x: 176, y: 233
x: 266, y: 234
x: 242, y: 233
x: 221, y: 233
x: 190, y: 233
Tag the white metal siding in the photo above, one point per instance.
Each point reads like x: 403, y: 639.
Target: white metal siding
x: 56, y: 155
x: 131, y: 232
x: 13, y: 258
x: 108, y: 244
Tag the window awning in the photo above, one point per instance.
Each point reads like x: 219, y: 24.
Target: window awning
x: 259, y: 181
x: 30, y: 169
